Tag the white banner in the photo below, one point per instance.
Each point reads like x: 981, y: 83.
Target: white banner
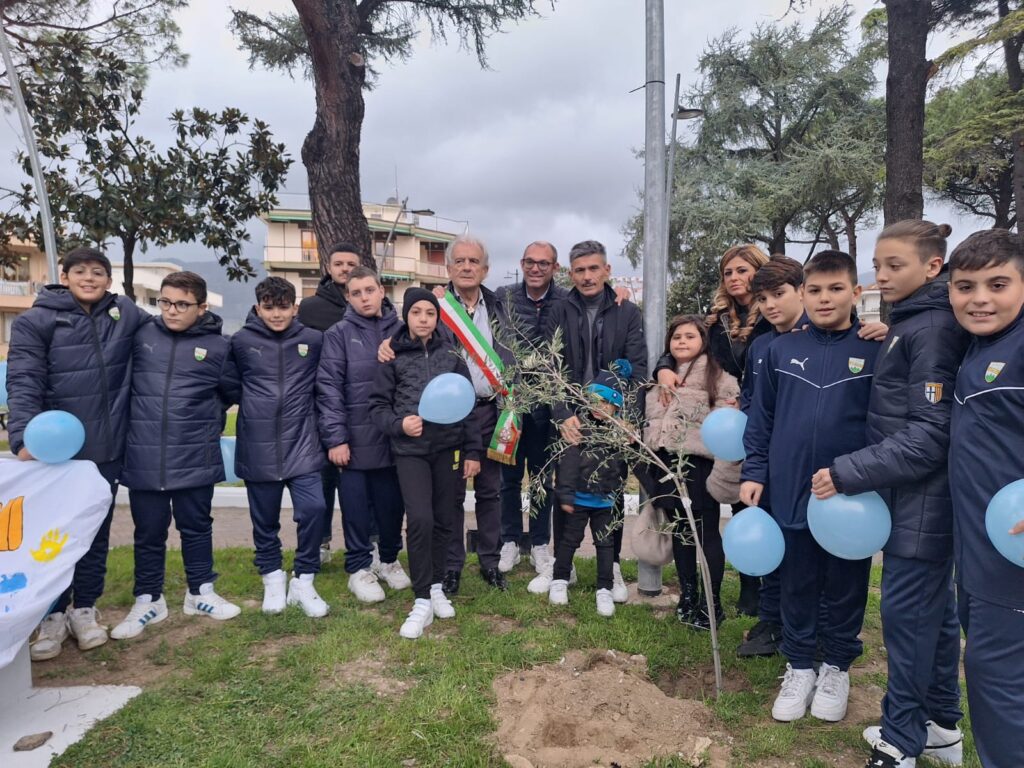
x: 49, y: 514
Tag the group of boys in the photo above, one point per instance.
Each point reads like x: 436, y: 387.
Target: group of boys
x: 929, y: 418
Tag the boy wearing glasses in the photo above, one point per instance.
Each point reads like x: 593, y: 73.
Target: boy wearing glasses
x: 278, y: 442
x: 183, y: 378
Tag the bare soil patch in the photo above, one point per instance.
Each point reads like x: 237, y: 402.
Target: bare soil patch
x: 599, y: 708
x: 370, y: 672
x: 698, y: 682
x: 502, y: 625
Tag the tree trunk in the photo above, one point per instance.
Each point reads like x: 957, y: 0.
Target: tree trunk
x: 1011, y: 50
x: 330, y: 152
x: 905, y: 87
x: 128, y: 244
x: 778, y: 243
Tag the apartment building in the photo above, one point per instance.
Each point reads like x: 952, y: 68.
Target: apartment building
x: 20, y: 281
x: 146, y: 280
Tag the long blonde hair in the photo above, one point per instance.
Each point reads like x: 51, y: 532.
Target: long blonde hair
x: 723, y: 302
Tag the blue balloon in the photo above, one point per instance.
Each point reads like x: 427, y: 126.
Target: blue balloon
x: 722, y: 433
x: 753, y: 542
x: 54, y: 437
x: 448, y: 398
x: 227, y: 452
x: 1004, y: 511
x: 3, y: 385
x: 850, y: 527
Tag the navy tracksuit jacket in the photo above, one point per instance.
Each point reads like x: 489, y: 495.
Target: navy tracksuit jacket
x: 810, y: 405
x: 987, y: 453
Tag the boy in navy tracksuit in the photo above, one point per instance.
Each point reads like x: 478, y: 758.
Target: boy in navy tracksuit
x: 368, y: 485
x: 906, y: 462
x: 72, y: 351
x: 986, y: 454
x: 182, y: 376
x: 278, y: 444
x: 810, y: 406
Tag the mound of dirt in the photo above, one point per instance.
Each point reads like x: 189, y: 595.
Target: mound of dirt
x: 599, y: 708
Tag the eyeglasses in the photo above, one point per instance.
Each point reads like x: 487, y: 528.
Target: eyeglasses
x: 541, y: 265
x: 181, y: 306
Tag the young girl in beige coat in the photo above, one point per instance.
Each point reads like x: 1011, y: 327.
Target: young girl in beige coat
x: 673, y: 430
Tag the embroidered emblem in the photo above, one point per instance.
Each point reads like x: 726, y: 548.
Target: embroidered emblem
x: 856, y: 364
x: 200, y: 354
x: 303, y: 350
x: 933, y: 392
x: 114, y: 313
x: 993, y: 370
x: 801, y: 363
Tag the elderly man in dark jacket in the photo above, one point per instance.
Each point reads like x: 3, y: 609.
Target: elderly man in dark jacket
x: 278, y: 443
x: 182, y: 379
x: 368, y: 484
x: 595, y: 331
x: 72, y: 351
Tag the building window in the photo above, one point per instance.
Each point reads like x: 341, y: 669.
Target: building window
x: 8, y: 324
x: 309, y: 286
x: 17, y: 270
x: 308, y: 240
x: 152, y: 301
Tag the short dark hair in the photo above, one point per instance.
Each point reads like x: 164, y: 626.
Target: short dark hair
x: 84, y: 255
x: 362, y: 272
x: 343, y: 246
x: 929, y: 238
x: 779, y: 271
x: 831, y: 262
x: 988, y: 248
x: 586, y: 248
x: 275, y: 290
x: 186, y: 281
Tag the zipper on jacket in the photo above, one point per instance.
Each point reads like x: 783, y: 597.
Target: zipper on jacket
x: 280, y: 408
x: 164, y: 415
x: 817, y: 403
x: 105, y: 387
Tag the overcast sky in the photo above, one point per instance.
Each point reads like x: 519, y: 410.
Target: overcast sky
x: 540, y: 146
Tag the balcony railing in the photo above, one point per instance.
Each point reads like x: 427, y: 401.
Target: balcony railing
x: 18, y: 288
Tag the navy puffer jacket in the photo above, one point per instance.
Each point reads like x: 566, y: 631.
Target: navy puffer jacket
x: 344, y: 381
x: 396, y: 394
x: 63, y: 358
x: 277, y: 423
x: 181, y: 384
x: 528, y: 317
x: 908, y: 425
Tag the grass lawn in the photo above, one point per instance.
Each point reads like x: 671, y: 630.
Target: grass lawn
x: 279, y: 690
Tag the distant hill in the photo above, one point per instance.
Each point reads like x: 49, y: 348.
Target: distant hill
x: 866, y: 278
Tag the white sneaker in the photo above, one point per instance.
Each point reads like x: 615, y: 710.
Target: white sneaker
x: 540, y: 584
x: 146, y: 611
x: 885, y: 755
x: 509, y: 557
x: 944, y: 745
x: 49, y: 637
x: 620, y: 594
x: 419, y: 618
x: 209, y: 603
x: 325, y: 553
x: 795, y: 694
x: 540, y: 556
x: 84, y: 626
x: 302, y: 593
x: 274, y: 591
x: 393, y: 574
x: 440, y: 604
x: 363, y: 584
x: 605, y: 603
x: 832, y: 694
x: 558, y: 594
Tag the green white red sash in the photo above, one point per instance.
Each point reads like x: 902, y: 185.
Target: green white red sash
x: 505, y: 439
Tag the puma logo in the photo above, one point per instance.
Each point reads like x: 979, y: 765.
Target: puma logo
x: 149, y: 347
x: 354, y: 340
x: 256, y: 351
x: 801, y: 363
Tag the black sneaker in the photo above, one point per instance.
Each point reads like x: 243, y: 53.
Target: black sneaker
x: 887, y: 756
x: 494, y: 577
x: 762, y: 640
x: 700, y: 617
x: 450, y: 584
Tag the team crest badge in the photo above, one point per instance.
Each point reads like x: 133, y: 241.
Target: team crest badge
x: 114, y: 313
x: 303, y: 350
x: 993, y: 370
x: 856, y: 364
x: 933, y: 392
x: 200, y: 354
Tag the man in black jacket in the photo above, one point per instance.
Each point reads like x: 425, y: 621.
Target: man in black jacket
x: 320, y: 312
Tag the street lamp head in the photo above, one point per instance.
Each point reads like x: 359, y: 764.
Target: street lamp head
x: 423, y: 212
x: 687, y: 113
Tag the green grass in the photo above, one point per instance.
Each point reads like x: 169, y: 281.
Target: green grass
x: 229, y: 426
x: 267, y: 690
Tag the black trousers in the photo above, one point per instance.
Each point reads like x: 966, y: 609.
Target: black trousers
x: 486, y: 490
x: 575, y: 524
x: 430, y: 485
x: 534, y: 444
x: 558, y: 526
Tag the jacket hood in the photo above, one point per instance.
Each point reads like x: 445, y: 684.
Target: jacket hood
x: 254, y: 323
x: 933, y: 295
x: 386, y: 318
x: 206, y: 324
x: 402, y: 341
x: 59, y: 298
x: 328, y: 290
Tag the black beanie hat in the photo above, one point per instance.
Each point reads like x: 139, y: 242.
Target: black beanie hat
x: 414, y: 294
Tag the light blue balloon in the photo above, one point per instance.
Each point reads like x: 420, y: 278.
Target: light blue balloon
x: 448, y: 398
x: 1004, y: 511
x: 227, y: 452
x: 722, y: 433
x: 753, y: 542
x: 54, y: 437
x: 3, y: 384
x: 850, y: 527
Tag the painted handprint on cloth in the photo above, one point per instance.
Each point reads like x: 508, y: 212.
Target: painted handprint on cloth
x: 50, y: 546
